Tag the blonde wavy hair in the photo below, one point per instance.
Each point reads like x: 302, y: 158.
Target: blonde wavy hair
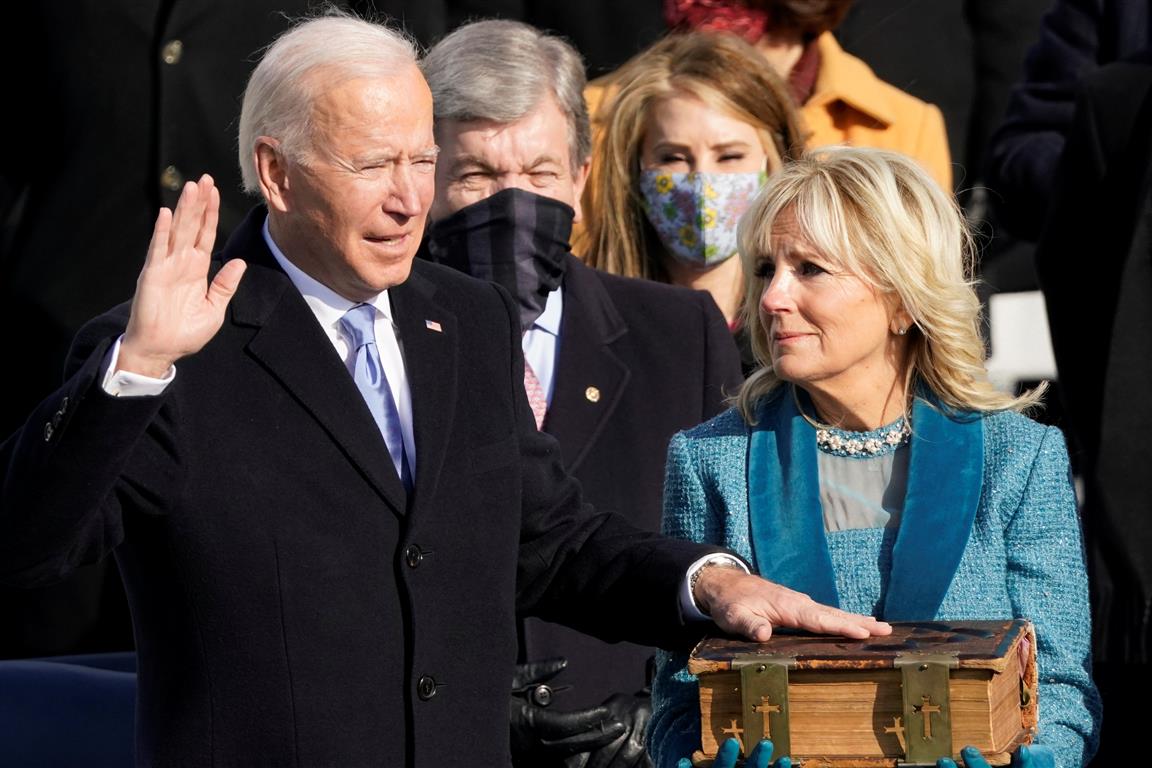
x: 878, y: 215
x: 721, y: 70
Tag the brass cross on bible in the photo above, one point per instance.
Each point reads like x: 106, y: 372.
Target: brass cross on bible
x: 765, y: 708
x: 733, y: 730
x: 926, y: 710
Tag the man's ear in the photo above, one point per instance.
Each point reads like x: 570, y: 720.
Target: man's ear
x: 272, y: 171
x: 579, y: 179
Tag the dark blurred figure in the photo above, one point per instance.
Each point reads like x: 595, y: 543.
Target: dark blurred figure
x: 606, y: 32
x: 122, y: 100
x: 1094, y: 261
x: 1075, y: 38
x: 962, y: 55
x: 1072, y: 38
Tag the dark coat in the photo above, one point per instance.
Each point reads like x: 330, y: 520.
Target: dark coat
x: 292, y: 606
x: 1075, y: 38
x: 638, y: 361
x: 1095, y: 268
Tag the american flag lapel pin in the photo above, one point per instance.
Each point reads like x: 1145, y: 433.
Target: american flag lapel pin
x: 432, y: 325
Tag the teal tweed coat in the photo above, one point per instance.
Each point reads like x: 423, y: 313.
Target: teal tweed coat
x: 989, y: 531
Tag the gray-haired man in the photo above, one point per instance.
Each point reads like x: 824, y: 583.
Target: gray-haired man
x: 621, y: 364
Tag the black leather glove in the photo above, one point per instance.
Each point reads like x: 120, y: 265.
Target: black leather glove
x: 629, y: 749
x: 545, y: 738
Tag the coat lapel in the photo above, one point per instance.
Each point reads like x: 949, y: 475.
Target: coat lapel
x: 590, y: 378
x: 788, y: 541
x: 428, y: 338
x: 945, y: 474
x: 291, y: 346
x: 789, y: 545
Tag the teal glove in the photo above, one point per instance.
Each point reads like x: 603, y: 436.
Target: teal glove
x: 1025, y: 757
x: 730, y: 750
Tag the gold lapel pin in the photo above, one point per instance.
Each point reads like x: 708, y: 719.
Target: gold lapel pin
x: 592, y: 394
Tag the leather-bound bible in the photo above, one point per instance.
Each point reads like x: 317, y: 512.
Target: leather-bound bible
x: 924, y: 692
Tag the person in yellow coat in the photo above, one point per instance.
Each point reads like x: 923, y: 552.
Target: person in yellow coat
x: 841, y: 99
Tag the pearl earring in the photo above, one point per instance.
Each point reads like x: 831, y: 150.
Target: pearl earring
x: 902, y: 331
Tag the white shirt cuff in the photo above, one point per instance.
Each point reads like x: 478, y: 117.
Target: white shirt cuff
x: 128, y: 384
x: 688, y: 607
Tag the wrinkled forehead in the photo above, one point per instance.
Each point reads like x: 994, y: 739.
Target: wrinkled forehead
x: 542, y: 134
x: 783, y: 229
x: 372, y: 105
x: 401, y: 84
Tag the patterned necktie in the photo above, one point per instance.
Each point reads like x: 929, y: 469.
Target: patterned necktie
x: 536, y: 397
x: 358, y: 325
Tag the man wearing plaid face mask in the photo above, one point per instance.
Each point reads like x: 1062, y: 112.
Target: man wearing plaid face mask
x: 622, y: 364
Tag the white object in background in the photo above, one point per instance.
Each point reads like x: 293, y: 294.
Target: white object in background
x: 1021, y: 346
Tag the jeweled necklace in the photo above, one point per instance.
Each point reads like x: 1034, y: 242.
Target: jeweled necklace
x: 845, y: 442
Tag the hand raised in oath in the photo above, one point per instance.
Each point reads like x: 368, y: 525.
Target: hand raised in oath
x: 176, y: 311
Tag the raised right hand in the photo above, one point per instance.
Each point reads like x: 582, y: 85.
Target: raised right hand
x: 175, y: 312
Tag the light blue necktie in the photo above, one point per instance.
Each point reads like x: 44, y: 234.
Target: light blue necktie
x: 359, y: 325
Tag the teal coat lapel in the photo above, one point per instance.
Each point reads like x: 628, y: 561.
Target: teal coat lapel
x: 787, y: 521
x: 788, y: 542
x: 945, y: 472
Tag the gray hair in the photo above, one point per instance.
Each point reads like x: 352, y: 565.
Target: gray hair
x: 281, y: 91
x: 502, y: 70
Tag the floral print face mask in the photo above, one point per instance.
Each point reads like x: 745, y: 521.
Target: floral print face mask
x: 696, y: 213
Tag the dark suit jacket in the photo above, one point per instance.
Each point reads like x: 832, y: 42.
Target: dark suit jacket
x: 638, y: 361
x: 606, y: 32
x: 292, y: 607
x: 1095, y: 268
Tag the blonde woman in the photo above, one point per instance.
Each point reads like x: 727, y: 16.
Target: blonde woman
x: 698, y: 124
x: 868, y: 462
